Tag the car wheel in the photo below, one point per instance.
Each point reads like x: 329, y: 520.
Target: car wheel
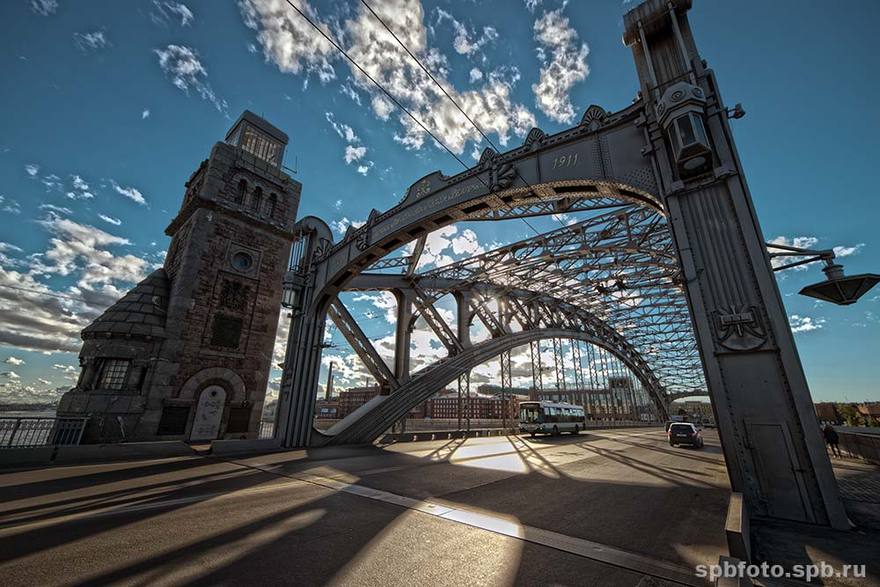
x: 577, y: 429
x: 555, y: 431
x: 533, y: 433
x: 671, y: 444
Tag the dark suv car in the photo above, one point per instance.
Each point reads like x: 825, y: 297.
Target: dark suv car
x: 685, y: 433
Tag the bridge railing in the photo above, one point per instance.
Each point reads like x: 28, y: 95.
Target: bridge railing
x: 860, y: 446
x: 33, y: 431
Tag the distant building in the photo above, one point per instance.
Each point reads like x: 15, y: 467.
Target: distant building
x: 827, y: 412
x: 327, y: 409
x: 697, y: 408
x: 478, y: 406
x: 185, y: 354
x: 352, y: 399
x: 870, y: 411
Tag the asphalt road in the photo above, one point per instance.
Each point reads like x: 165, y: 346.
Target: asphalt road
x: 615, y: 507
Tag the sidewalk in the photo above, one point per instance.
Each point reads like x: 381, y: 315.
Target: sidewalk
x: 793, y: 543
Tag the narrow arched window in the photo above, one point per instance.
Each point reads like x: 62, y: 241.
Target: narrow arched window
x: 257, y: 199
x: 242, y: 191
x: 273, y: 203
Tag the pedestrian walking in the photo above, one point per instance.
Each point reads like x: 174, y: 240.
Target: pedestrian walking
x: 831, y: 439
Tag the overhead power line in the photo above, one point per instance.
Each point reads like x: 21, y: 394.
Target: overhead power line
x: 395, y: 100
x: 455, y: 103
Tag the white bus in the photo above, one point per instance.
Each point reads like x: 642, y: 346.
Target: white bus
x: 544, y: 417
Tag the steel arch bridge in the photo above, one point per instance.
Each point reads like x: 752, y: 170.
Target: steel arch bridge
x: 668, y: 271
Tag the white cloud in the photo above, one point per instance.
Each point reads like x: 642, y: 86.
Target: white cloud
x: 90, y: 41
x: 10, y: 375
x: 349, y: 91
x: 14, y: 361
x: 10, y: 207
x: 353, y: 153
x: 44, y: 7
x: 340, y: 226
x: 56, y: 209
x: 805, y: 323
x: 37, y: 317
x: 145, y: 114
x: 465, y: 41
x: 384, y: 301
x: 288, y: 41
x: 164, y: 11
x: 32, y: 169
x: 532, y: 4
x: 807, y: 242
x: 131, y: 193
x: 80, y: 189
x: 447, y: 245
x: 110, y: 219
x: 842, y: 251
x: 476, y: 75
x: 182, y: 66
x: 563, y: 64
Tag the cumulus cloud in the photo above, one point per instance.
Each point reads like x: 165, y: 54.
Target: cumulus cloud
x: 805, y: 323
x: 44, y: 7
x: 340, y: 226
x: 292, y: 46
x: 32, y: 169
x: 37, y: 317
x: 806, y: 242
x: 563, y: 64
x: 447, y: 245
x: 288, y: 40
x: 93, y: 41
x: 182, y: 66
x: 466, y: 41
x: 14, y: 361
x: 354, y: 150
x: 131, y: 193
x: 475, y: 75
x: 145, y: 114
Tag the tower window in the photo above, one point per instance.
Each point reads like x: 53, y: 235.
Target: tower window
x: 260, y: 145
x: 273, y: 203
x: 257, y: 199
x: 242, y: 191
x: 113, y: 372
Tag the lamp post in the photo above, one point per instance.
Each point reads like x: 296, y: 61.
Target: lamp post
x: 837, y: 288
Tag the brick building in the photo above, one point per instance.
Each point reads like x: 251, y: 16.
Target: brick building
x: 186, y: 353
x: 478, y: 405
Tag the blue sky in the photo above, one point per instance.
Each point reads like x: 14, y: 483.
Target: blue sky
x: 109, y: 106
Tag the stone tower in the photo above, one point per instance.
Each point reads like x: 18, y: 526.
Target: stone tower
x: 186, y: 354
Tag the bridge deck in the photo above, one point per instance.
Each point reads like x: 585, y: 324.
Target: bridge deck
x: 608, y: 508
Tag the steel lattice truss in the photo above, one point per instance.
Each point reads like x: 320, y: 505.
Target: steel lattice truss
x: 619, y: 266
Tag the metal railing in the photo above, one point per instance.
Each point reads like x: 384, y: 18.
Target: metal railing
x: 860, y: 446
x: 30, y: 432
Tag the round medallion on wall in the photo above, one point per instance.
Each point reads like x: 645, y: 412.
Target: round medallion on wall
x: 242, y: 261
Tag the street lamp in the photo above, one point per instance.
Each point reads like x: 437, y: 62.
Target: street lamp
x: 837, y: 288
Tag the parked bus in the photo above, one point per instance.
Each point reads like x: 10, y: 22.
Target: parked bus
x: 545, y: 417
